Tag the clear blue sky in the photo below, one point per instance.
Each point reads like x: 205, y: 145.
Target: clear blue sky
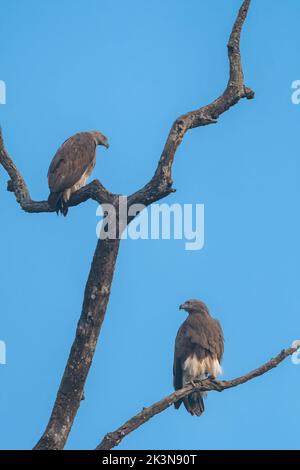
x: 129, y: 69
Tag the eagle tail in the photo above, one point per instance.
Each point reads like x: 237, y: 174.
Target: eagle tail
x: 194, y: 403
x: 57, y: 202
x: 177, y: 404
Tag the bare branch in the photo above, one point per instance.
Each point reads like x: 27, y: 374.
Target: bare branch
x: 114, y: 438
x: 161, y: 183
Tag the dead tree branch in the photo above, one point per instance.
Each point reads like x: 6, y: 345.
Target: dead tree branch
x: 161, y: 183
x: 114, y: 438
x: 99, y: 282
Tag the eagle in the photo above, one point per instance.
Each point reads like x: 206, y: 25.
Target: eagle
x: 71, y: 166
x: 199, y: 349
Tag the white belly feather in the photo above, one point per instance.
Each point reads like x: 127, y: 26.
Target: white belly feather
x: 199, y: 369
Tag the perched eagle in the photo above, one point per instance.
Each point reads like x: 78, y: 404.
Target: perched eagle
x: 71, y: 166
x: 199, y: 348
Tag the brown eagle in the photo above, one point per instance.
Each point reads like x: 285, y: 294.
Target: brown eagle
x: 199, y: 348
x: 71, y: 166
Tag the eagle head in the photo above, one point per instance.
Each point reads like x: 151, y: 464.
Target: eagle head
x: 100, y: 139
x: 194, y: 306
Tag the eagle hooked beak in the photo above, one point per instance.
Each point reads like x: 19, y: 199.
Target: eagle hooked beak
x: 106, y: 145
x: 182, y: 307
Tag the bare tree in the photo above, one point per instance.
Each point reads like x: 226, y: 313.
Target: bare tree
x: 97, y: 290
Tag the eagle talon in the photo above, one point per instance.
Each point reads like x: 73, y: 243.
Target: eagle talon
x: 211, y: 377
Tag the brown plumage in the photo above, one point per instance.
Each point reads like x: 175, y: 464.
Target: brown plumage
x: 71, y: 166
x: 199, y: 348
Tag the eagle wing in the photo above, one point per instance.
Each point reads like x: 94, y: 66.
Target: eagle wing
x: 71, y: 161
x: 180, y: 349
x: 206, y: 335
x: 218, y: 340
